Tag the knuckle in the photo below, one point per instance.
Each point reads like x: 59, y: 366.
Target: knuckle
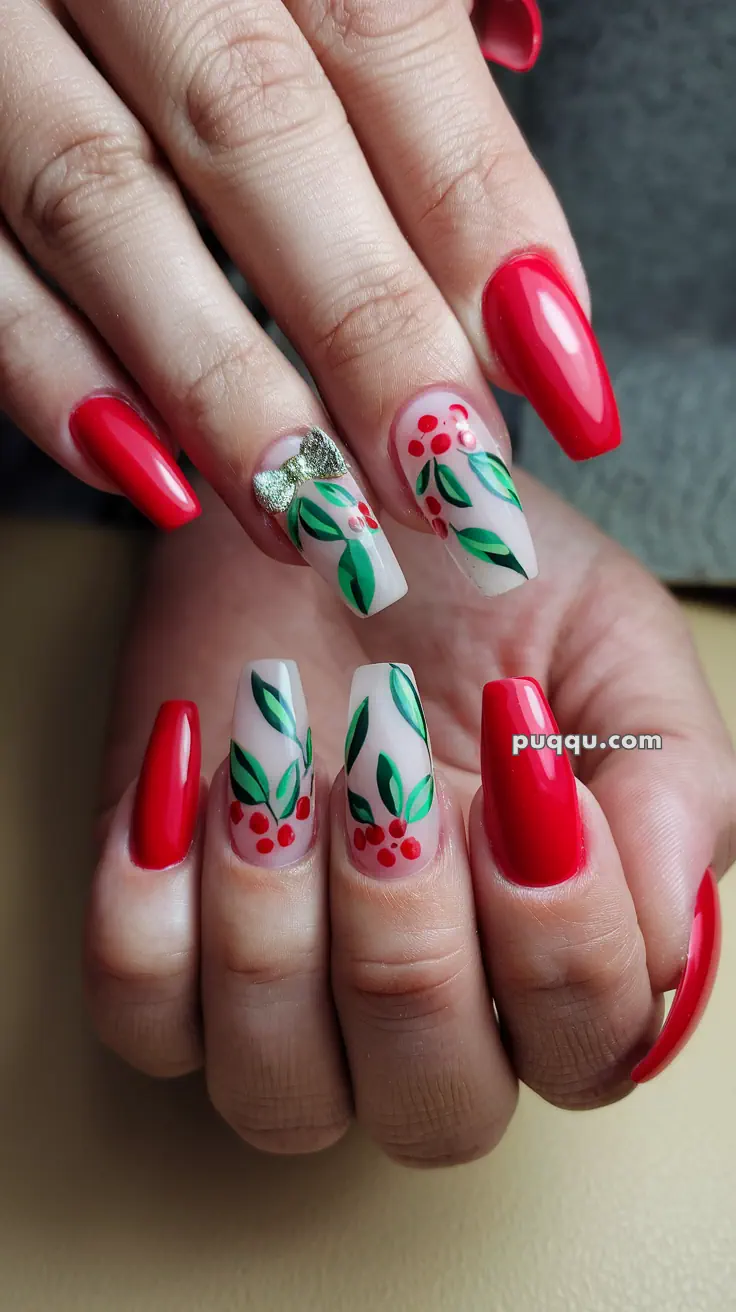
x: 407, y: 994
x: 488, y: 180
x: 356, y: 23
x: 380, y: 315
x: 210, y: 392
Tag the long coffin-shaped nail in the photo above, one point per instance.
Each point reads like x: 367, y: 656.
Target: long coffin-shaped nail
x: 539, y: 332
x: 695, y: 987
x: 456, y: 474
x: 392, y: 812
x: 530, y: 801
x: 509, y: 32
x: 115, y: 438
x: 307, y: 484
x: 167, y: 795
x: 271, y: 766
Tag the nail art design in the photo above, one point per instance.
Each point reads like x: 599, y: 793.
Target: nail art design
x: 462, y: 486
x: 271, y: 766
x: 695, y: 986
x: 167, y: 795
x: 392, y: 813
x: 530, y: 800
x: 308, y: 485
x: 509, y: 32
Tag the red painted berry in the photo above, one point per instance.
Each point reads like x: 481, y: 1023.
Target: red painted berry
x: 303, y: 807
x: 386, y: 858
x: 236, y: 813
x: 286, y: 836
x: 459, y: 409
x: 410, y: 848
x: 372, y: 523
x: 264, y: 845
x: 427, y: 423
x: 416, y: 448
x: 433, y: 505
x: 364, y: 508
x: 356, y: 523
x: 441, y: 443
x: 375, y: 835
x: 359, y: 840
x: 440, y: 528
x: 467, y: 439
x: 397, y: 828
x: 259, y: 822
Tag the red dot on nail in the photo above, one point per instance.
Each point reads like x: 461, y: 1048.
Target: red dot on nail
x: 416, y: 448
x: 440, y: 528
x: 375, y: 835
x: 467, y: 439
x: 236, y: 813
x: 397, y: 828
x: 259, y: 822
x: 411, y: 848
x: 364, y: 508
x: 286, y: 836
x: 372, y: 523
x: 433, y: 505
x: 427, y: 423
x: 441, y: 443
x: 386, y: 858
x: 303, y: 807
x: 359, y: 840
x: 264, y: 845
x: 460, y: 410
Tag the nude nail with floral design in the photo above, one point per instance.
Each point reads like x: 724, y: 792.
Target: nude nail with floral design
x: 455, y: 470
x: 392, y: 812
x: 307, y: 484
x: 271, y: 766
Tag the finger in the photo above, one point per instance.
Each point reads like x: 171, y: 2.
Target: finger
x: 256, y: 133
x: 509, y: 32
x: 142, y: 932
x: 430, y: 1078
x: 86, y: 195
x: 274, y: 1065
x: 49, y: 361
x: 474, y: 204
x: 558, y: 924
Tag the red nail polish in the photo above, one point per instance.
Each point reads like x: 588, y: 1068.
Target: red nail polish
x: 509, y: 32
x: 167, y: 796
x: 123, y: 446
x: 695, y: 987
x: 530, y: 799
x: 538, y: 330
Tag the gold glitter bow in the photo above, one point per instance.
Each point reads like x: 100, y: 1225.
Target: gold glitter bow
x: 317, y: 457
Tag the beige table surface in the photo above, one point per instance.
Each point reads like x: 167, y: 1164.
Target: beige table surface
x: 120, y: 1193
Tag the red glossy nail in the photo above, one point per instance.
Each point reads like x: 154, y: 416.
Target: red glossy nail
x: 530, y: 799
x: 509, y: 32
x: 538, y: 331
x: 695, y: 987
x: 167, y: 796
x: 123, y: 446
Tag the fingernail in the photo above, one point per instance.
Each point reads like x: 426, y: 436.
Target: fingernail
x: 167, y: 796
x: 695, y: 987
x: 392, y: 813
x: 271, y: 766
x: 115, y: 438
x: 509, y: 32
x: 456, y: 474
x: 539, y: 332
x: 530, y: 800
x: 306, y: 483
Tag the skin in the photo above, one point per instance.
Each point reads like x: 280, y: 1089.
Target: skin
x: 384, y: 1011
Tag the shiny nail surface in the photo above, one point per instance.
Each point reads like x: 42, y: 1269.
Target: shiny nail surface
x: 271, y: 766
x: 392, y: 811
x: 695, y: 986
x: 120, y: 443
x: 509, y: 32
x: 306, y: 483
x: 539, y: 332
x: 459, y: 480
x: 530, y: 801
x: 167, y: 795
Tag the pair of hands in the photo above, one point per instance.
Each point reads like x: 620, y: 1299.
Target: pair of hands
x: 316, y: 991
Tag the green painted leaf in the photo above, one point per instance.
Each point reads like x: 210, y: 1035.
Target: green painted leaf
x: 406, y: 701
x: 247, y: 777
x: 274, y: 706
x: 488, y: 546
x: 308, y: 749
x: 423, y: 480
x: 317, y: 523
x: 449, y: 486
x: 419, y: 801
x: 390, y: 787
x: 336, y: 494
x: 360, y: 809
x: 356, y: 735
x: 356, y: 577
x: 288, y: 786
x: 292, y: 522
x: 494, y: 475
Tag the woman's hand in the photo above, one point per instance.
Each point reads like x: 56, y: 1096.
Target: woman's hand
x: 572, y: 908
x: 359, y: 166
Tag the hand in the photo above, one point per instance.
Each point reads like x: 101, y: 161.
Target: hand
x: 360, y: 168
x: 398, y: 979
